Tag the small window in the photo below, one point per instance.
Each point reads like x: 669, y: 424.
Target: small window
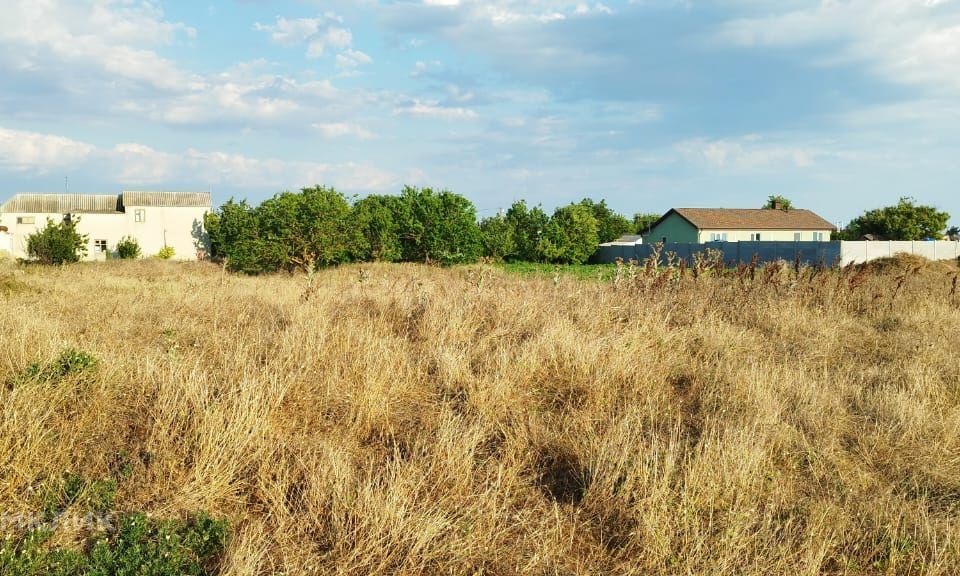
x: 100, y: 246
x: 139, y: 215
x: 755, y: 237
x: 797, y: 236
x: 818, y: 236
x: 26, y: 220
x: 718, y: 237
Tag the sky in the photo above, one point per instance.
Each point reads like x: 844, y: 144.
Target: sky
x: 839, y: 105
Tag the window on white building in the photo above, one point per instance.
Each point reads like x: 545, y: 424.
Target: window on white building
x: 718, y: 236
x: 797, y: 236
x: 100, y: 246
x: 755, y: 237
x: 818, y: 236
x: 139, y: 215
x: 26, y: 220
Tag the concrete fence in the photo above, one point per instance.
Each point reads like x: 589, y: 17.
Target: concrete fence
x: 828, y: 253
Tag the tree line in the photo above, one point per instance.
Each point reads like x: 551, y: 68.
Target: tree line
x: 320, y: 226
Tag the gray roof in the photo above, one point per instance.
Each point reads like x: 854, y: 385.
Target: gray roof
x: 166, y: 199
x: 63, y: 204
x: 102, y: 203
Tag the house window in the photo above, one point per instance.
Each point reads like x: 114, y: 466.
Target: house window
x: 100, y: 246
x: 718, y: 237
x: 797, y: 236
x: 26, y: 220
x: 818, y: 236
x: 755, y: 237
x: 139, y: 215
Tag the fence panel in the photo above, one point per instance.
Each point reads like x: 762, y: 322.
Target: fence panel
x: 811, y: 253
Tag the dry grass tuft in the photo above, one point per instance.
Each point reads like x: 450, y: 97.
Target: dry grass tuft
x: 413, y: 420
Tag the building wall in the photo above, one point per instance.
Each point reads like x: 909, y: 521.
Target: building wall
x: 765, y: 235
x: 181, y: 228
x: 6, y: 244
x: 675, y: 229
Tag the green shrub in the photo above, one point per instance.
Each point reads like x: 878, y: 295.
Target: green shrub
x: 140, y: 545
x: 70, y: 362
x: 57, y: 243
x: 114, y: 543
x: 128, y: 248
x: 166, y: 253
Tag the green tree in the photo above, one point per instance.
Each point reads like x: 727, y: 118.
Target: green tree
x: 497, y: 235
x: 380, y: 221
x: 442, y: 227
x: 778, y: 202
x: 234, y: 232
x: 643, y: 221
x: 906, y: 220
x: 57, y: 243
x: 610, y: 225
x: 571, y: 237
x: 128, y: 248
x: 527, y: 226
x: 311, y: 227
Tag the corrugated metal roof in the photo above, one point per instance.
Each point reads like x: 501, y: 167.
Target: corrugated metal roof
x: 166, y: 199
x: 63, y: 204
x: 752, y: 219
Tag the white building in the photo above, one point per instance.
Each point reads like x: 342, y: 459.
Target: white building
x: 153, y: 219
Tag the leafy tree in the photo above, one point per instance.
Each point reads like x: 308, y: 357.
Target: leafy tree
x: 380, y: 221
x: 234, y: 232
x: 498, y: 237
x: 57, y: 243
x: 312, y: 227
x: 906, y: 220
x: 442, y: 227
x: 610, y: 225
x: 571, y: 237
x: 643, y: 221
x: 128, y: 248
x: 527, y: 226
x: 778, y: 202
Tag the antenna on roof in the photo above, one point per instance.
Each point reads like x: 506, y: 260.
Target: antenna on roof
x: 66, y: 184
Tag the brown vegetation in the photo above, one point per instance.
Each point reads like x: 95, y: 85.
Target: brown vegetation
x: 412, y: 420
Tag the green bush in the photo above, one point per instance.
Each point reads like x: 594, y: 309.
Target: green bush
x: 128, y: 248
x: 140, y: 545
x: 166, y: 253
x: 57, y: 243
x: 70, y: 362
x: 114, y: 543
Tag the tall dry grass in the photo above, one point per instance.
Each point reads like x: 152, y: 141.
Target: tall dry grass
x: 412, y: 420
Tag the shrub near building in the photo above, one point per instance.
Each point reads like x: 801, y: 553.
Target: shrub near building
x: 57, y: 243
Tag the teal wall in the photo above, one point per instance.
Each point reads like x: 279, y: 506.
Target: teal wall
x: 676, y: 230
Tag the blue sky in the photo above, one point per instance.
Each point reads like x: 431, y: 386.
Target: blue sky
x: 841, y: 105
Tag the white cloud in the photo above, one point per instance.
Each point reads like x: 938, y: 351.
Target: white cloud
x: 102, y: 37
x: 753, y: 152
x: 433, y: 109
x: 914, y: 42
x: 349, y: 59
x: 320, y: 34
x: 341, y: 129
x: 23, y: 151
x: 132, y: 164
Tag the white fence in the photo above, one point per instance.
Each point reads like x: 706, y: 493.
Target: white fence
x: 827, y: 253
x: 859, y: 252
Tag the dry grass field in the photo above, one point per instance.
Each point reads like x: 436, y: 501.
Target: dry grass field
x: 400, y: 419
